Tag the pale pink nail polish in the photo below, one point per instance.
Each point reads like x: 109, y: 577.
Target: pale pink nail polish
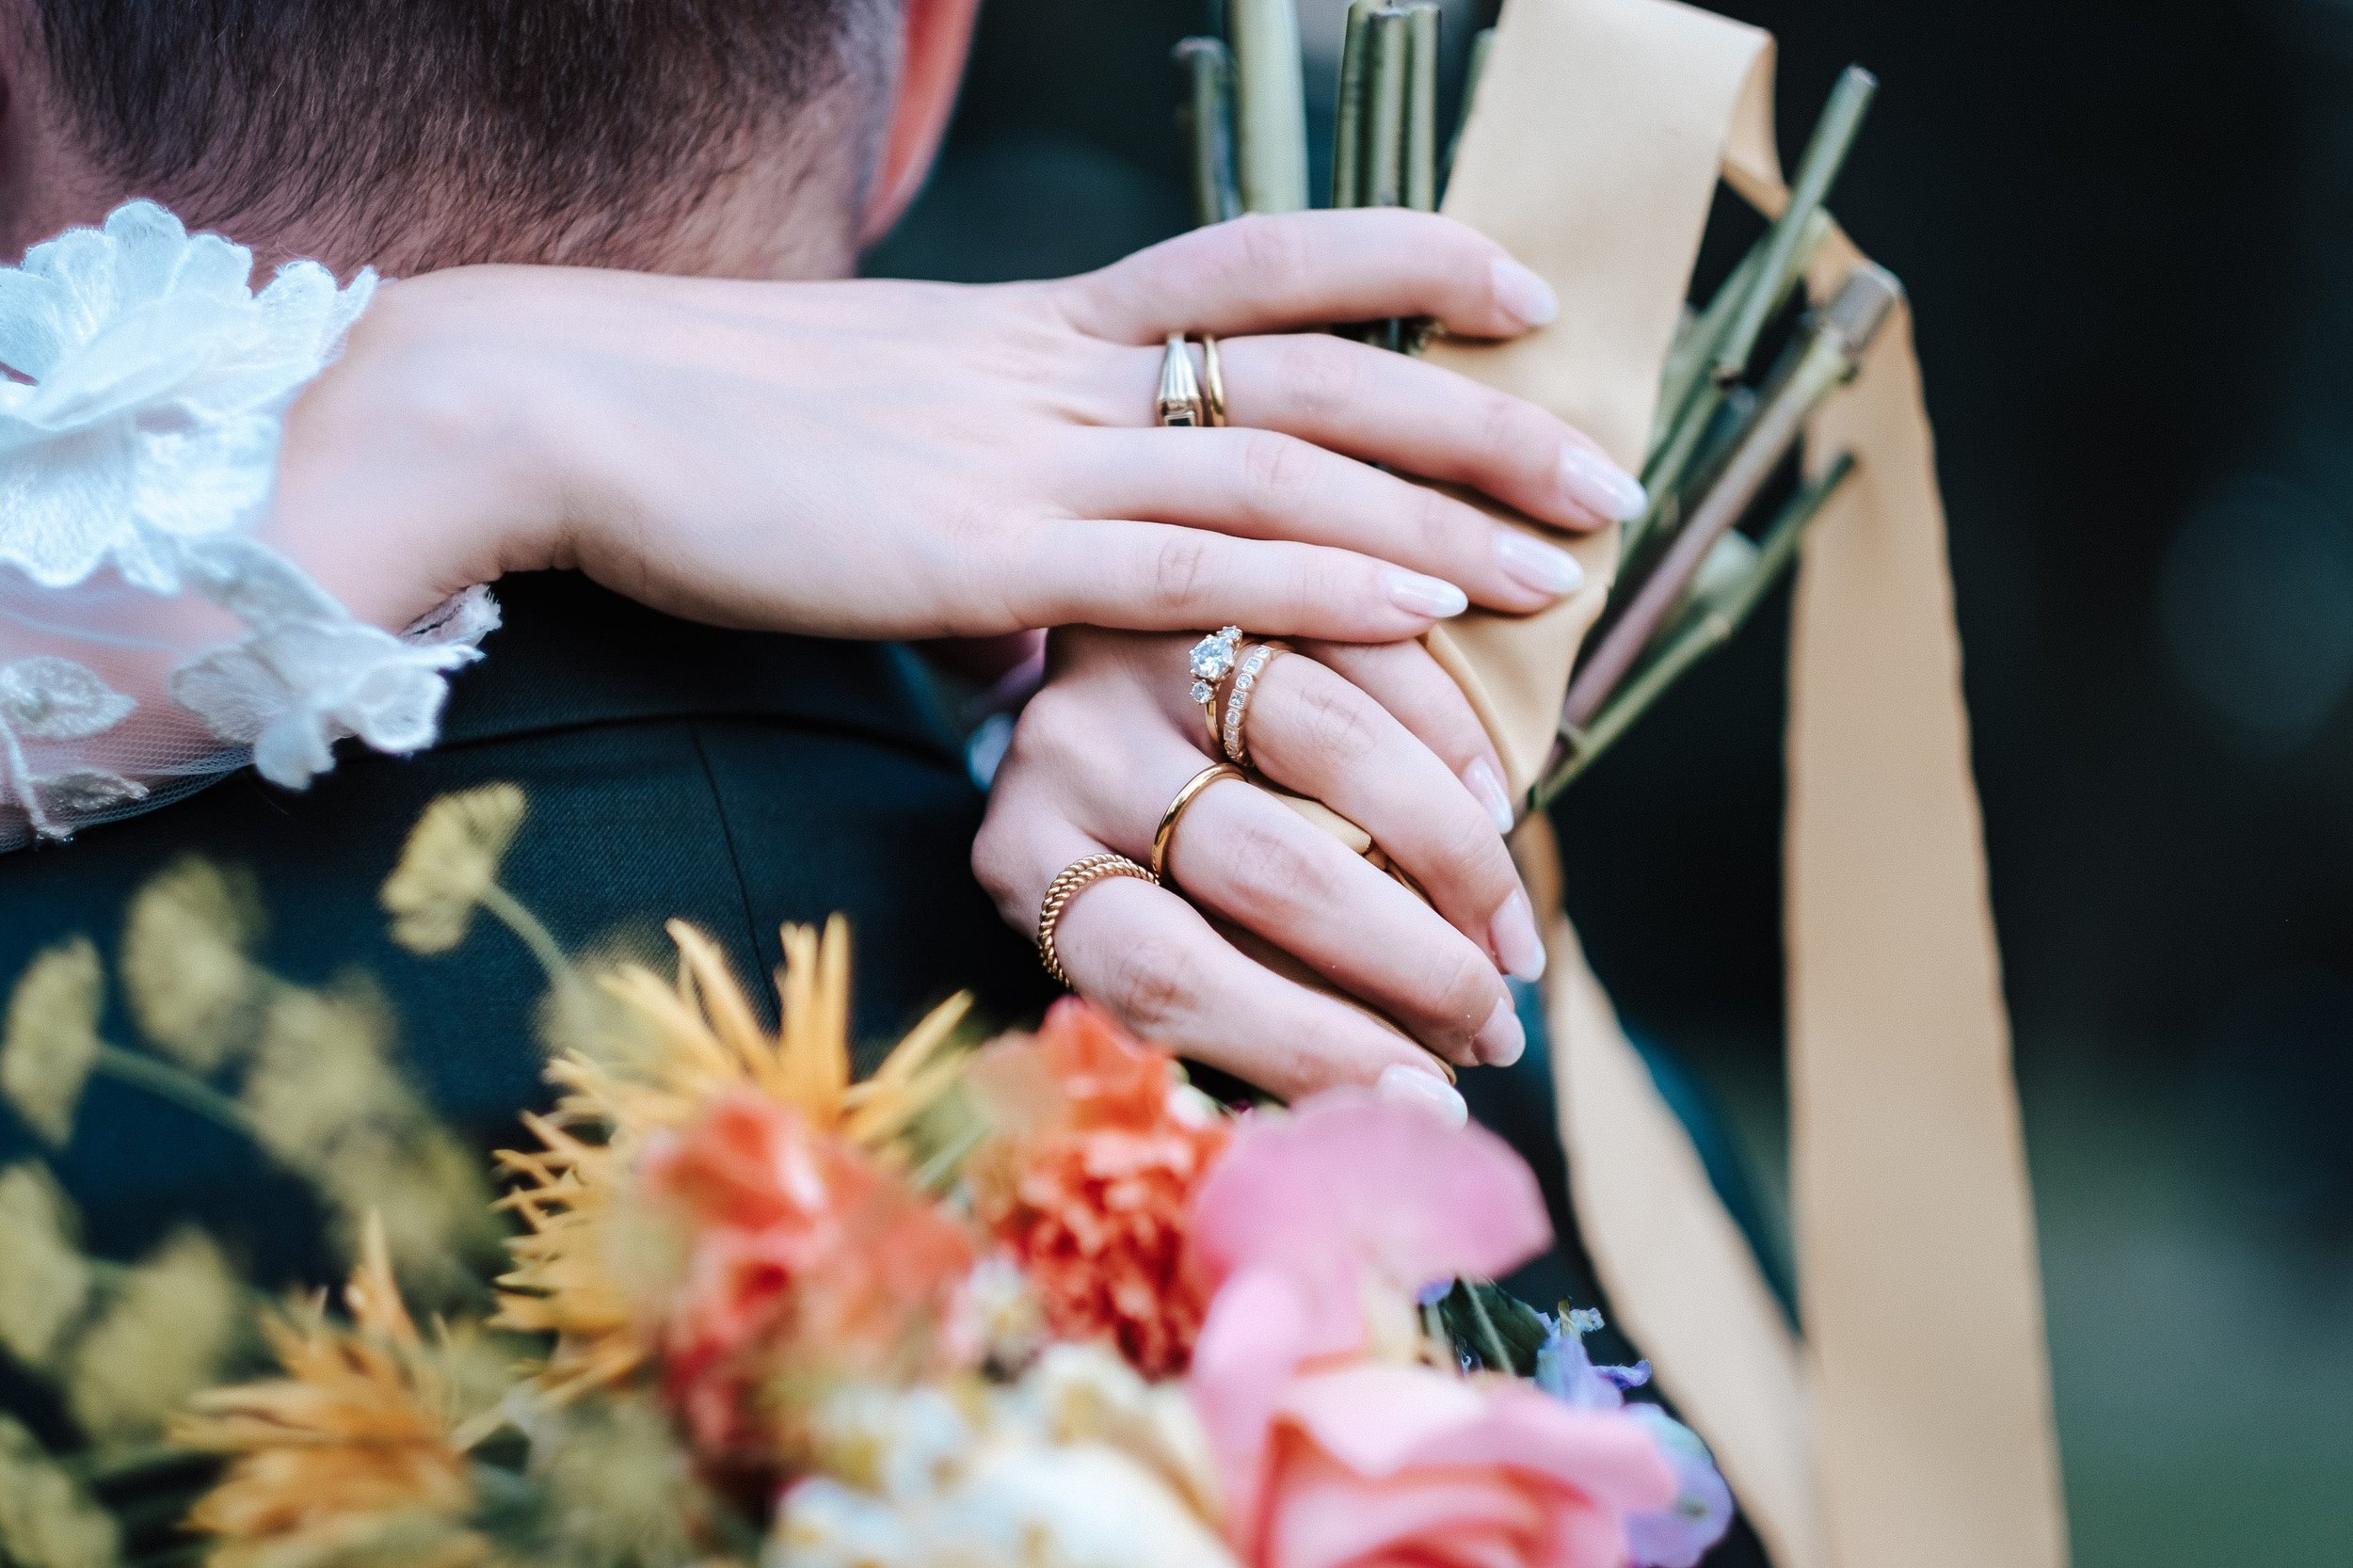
x: 1517, y: 943
x: 1501, y: 1040
x: 1422, y: 1087
x: 1525, y: 297
x: 1601, y: 486
x: 1536, y: 565
x: 1418, y: 595
x: 1487, y: 789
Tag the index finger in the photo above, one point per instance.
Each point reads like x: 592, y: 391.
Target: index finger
x: 1271, y: 273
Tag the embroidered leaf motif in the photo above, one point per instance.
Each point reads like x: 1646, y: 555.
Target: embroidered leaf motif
x: 49, y: 699
x: 83, y: 790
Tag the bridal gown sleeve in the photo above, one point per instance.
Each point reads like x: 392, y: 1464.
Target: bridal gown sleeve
x: 152, y: 639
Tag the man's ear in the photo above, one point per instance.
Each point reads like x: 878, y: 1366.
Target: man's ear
x: 937, y: 34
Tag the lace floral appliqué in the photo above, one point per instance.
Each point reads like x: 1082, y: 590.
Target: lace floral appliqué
x: 141, y: 413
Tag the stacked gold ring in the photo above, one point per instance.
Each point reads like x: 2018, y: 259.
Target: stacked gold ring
x: 1076, y: 878
x: 1185, y: 399
x: 1162, y: 835
x: 1246, y: 678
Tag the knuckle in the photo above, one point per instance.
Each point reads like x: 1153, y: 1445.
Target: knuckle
x: 1327, y: 382
x: 1335, y: 723
x: 1267, y: 252
x: 1156, y: 986
x: 1275, y: 873
x: 1460, y: 986
x: 1274, y: 469
x: 1178, y: 567
x: 1439, y: 524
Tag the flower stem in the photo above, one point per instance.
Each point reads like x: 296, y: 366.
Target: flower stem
x: 1482, y: 44
x: 1270, y: 104
x: 1421, y: 108
x: 1348, y: 109
x: 182, y: 1088
x: 1711, y: 628
x: 1210, y: 115
x: 563, y: 979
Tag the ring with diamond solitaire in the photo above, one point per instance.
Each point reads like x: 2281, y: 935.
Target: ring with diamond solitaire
x: 1211, y: 660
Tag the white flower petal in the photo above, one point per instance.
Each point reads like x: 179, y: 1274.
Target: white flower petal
x: 86, y: 791
x: 32, y: 324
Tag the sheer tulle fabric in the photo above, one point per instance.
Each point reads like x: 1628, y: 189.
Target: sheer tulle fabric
x: 150, y: 639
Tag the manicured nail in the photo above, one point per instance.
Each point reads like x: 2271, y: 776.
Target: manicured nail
x: 1418, y: 595
x: 1501, y: 1040
x: 1601, y: 486
x: 1419, y: 1086
x: 1516, y: 941
x: 1524, y: 297
x: 1536, y: 565
x: 1487, y: 789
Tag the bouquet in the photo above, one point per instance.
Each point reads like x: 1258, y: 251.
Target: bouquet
x: 1037, y: 1300
x: 1709, y: 550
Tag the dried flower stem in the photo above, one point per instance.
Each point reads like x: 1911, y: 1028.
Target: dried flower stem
x: 1421, y: 108
x: 1348, y: 109
x: 183, y: 1089
x: 1210, y: 119
x: 1825, y: 355
x: 1270, y: 104
x: 1716, y: 624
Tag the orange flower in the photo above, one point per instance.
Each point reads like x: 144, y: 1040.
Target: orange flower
x: 805, y: 1258
x: 1091, y: 1179
x: 676, y: 1049
x: 365, y: 1434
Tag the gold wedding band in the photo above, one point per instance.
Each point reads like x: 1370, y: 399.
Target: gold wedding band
x: 1246, y: 677
x: 1181, y: 403
x: 1187, y: 400
x: 1185, y: 797
x: 1211, y: 660
x: 1076, y: 878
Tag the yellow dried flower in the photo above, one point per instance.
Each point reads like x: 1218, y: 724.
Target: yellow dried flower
x: 329, y: 1103
x: 451, y: 864
x: 359, y: 1450
x: 46, y: 1520
x: 186, y: 961
x: 689, y: 1044
x: 52, y: 1037
x: 162, y: 1335
x: 43, y: 1277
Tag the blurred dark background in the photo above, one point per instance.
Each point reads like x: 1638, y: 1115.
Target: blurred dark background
x: 2128, y: 228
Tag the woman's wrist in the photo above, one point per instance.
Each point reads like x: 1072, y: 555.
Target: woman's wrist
x: 424, y: 460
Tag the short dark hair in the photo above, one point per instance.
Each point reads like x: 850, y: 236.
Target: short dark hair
x: 518, y: 130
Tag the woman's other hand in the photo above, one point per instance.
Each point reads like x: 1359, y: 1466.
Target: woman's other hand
x: 1379, y: 733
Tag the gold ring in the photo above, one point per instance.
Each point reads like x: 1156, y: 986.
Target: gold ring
x: 1075, y: 879
x: 1185, y: 797
x: 1211, y: 660
x: 1212, y: 383
x: 1246, y: 675
x: 1179, y: 404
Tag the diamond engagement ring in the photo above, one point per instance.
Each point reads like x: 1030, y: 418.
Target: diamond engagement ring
x: 1213, y: 661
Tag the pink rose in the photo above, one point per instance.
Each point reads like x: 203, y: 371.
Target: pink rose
x: 1381, y: 1464
x: 1331, y: 1459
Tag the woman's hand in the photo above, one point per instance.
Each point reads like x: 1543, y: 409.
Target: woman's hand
x: 1382, y: 736
x: 889, y: 460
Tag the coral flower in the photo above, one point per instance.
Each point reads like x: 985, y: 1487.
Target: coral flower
x: 805, y: 1258
x: 1090, y: 1182
x: 678, y: 1049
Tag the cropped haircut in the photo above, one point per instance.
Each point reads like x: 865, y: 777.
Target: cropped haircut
x: 510, y: 130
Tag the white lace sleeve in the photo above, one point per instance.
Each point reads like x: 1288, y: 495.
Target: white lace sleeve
x: 150, y: 639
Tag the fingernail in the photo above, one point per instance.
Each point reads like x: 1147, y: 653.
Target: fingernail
x: 1525, y: 297
x: 1501, y: 1041
x: 1418, y: 595
x: 1600, y: 485
x: 1537, y: 564
x: 1485, y: 788
x: 1417, y: 1086
x: 1516, y: 941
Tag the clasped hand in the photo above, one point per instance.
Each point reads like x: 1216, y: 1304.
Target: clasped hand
x: 909, y: 461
